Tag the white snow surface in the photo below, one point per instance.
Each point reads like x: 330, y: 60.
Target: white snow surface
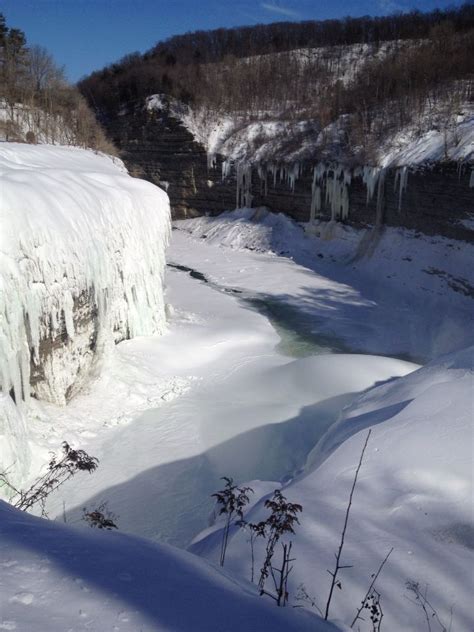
x: 56, y: 578
x: 202, y: 400
x: 414, y: 494
x: 229, y: 390
x: 74, y: 224
x: 390, y: 291
x: 453, y: 141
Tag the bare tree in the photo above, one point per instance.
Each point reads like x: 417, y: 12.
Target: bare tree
x: 255, y: 530
x: 42, y: 69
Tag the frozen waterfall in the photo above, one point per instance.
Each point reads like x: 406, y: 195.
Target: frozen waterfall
x: 82, y: 256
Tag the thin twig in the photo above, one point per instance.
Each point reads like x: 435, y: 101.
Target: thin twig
x: 344, y: 529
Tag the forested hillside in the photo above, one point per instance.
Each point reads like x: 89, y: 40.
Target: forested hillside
x: 378, y: 74
x: 36, y: 102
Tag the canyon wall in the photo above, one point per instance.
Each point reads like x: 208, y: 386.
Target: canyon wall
x: 434, y: 198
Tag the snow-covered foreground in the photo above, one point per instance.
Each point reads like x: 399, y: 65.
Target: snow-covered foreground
x: 215, y: 395
x: 56, y: 578
x: 415, y: 491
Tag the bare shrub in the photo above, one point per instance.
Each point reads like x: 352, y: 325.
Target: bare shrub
x: 100, y: 518
x: 232, y: 499
x: 281, y: 521
x: 60, y: 469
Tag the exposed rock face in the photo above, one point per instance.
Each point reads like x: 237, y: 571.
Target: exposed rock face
x: 157, y: 146
x: 435, y: 200
x: 47, y: 376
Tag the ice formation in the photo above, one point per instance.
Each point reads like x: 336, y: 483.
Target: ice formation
x: 336, y: 179
x: 82, y: 255
x: 330, y: 187
x: 370, y: 176
x: 211, y: 160
x: 15, y: 452
x: 331, y: 182
x: 244, y: 185
x: 401, y: 179
x: 226, y: 169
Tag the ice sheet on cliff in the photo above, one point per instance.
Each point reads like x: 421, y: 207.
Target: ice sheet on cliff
x: 75, y: 227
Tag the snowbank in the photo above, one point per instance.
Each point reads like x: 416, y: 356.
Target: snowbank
x: 414, y: 494
x: 442, y: 142
x: 81, y: 262
x: 58, y: 578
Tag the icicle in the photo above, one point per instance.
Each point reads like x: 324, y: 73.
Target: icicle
x: 318, y: 173
x: 292, y: 175
x: 380, y: 198
x: 273, y: 169
x: 244, y: 185
x: 370, y: 176
x: 226, y: 168
x: 211, y: 161
x: 263, y: 175
x: 345, y: 201
x: 282, y: 173
x: 471, y: 179
x: 337, y: 192
x: 14, y: 441
x: 401, y: 178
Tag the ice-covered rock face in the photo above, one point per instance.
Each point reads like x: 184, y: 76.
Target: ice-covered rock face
x: 82, y: 256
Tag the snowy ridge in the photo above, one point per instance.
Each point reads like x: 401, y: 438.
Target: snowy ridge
x: 72, y: 223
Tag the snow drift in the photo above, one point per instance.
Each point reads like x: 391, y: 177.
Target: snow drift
x: 414, y: 494
x: 56, y: 578
x: 71, y: 281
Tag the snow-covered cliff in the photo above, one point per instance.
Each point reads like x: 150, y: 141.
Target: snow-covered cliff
x: 82, y: 255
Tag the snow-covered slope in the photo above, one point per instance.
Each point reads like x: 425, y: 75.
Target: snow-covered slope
x: 273, y: 137
x: 17, y: 121
x: 55, y: 577
x: 414, y: 493
x: 81, y: 262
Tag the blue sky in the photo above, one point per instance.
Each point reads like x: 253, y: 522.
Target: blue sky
x: 85, y: 35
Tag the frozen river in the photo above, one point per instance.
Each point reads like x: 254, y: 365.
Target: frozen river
x: 241, y: 385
